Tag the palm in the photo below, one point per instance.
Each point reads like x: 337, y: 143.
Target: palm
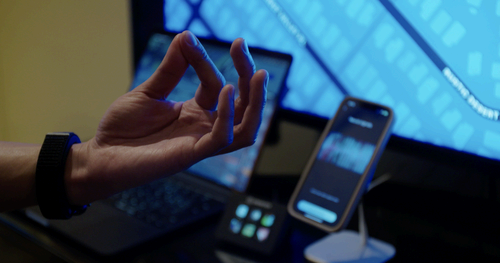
x: 138, y: 120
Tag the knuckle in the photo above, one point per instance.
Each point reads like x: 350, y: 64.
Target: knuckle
x: 254, y: 69
x: 204, y: 55
x: 199, y: 56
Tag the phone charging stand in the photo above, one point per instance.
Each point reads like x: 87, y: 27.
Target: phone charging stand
x: 350, y: 246
x: 347, y: 246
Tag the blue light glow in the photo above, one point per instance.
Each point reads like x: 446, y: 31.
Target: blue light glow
x: 391, y: 52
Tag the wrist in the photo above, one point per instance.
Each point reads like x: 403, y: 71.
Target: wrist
x: 76, y: 174
x: 89, y: 168
x: 51, y: 192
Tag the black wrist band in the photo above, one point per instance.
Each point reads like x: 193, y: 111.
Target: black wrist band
x: 50, y: 188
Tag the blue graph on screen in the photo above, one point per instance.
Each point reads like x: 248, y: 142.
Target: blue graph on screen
x: 346, y: 152
x: 435, y: 62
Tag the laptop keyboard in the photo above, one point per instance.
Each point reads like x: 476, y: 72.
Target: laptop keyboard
x: 167, y: 203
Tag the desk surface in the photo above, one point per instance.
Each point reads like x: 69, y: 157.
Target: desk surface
x: 421, y: 224
x: 429, y: 213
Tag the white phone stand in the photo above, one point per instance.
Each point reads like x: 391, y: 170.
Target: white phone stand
x: 350, y: 246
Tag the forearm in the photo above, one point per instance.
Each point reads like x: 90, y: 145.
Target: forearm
x: 17, y: 175
x: 91, y: 173
x: 18, y: 172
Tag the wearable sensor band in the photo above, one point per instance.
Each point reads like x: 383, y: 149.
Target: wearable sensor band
x: 50, y: 188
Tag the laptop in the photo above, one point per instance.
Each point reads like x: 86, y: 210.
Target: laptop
x: 138, y: 215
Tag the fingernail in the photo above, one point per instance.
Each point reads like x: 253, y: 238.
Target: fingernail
x: 191, y: 39
x: 245, y: 47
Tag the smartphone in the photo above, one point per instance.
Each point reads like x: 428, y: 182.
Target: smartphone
x: 342, y: 164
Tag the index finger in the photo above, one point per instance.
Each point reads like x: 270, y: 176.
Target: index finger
x: 168, y: 74
x: 212, y: 80
x: 186, y: 50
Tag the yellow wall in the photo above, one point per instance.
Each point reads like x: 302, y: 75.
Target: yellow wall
x: 62, y: 63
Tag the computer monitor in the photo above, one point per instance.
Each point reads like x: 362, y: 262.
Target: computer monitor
x: 436, y: 63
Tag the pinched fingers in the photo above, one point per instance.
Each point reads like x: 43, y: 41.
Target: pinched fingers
x: 168, y: 74
x: 245, y: 133
x: 186, y: 50
x: 212, y: 80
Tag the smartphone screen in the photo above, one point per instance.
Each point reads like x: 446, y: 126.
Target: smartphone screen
x: 342, y: 164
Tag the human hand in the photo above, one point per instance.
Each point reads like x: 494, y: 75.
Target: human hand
x: 143, y: 137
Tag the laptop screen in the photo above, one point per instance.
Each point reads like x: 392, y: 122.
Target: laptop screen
x: 233, y: 169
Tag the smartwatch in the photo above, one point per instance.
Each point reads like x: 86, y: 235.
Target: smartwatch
x: 50, y: 188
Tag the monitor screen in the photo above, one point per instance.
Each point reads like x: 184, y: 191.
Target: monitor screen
x: 436, y: 63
